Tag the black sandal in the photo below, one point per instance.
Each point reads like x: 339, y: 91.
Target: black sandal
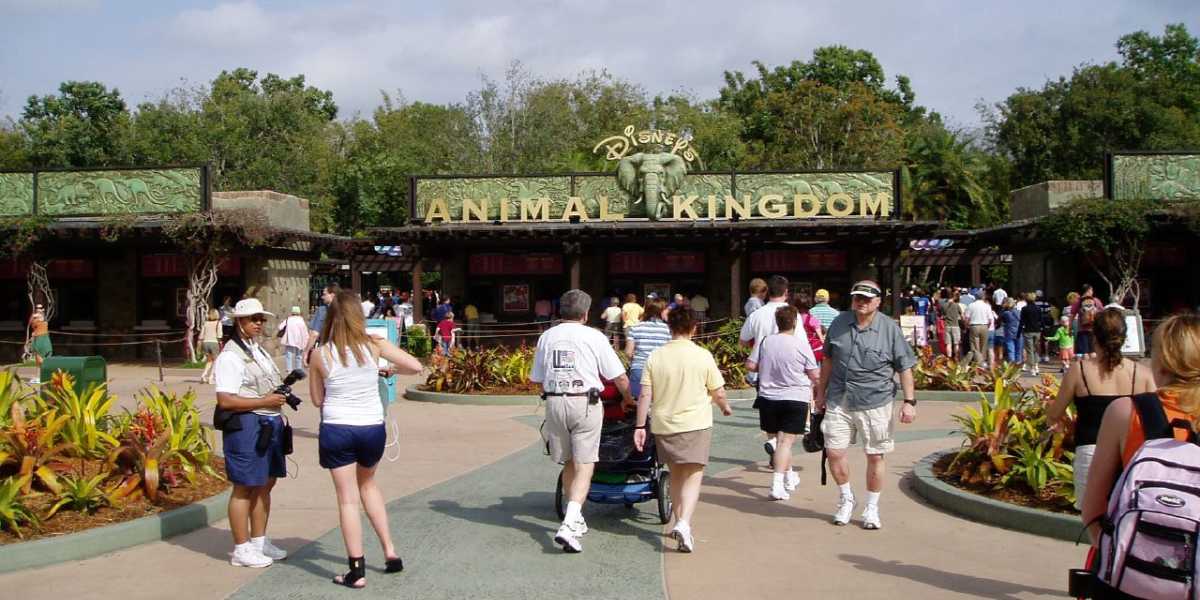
x: 393, y: 565
x: 358, y: 571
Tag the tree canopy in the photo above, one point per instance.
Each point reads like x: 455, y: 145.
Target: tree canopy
x: 837, y: 109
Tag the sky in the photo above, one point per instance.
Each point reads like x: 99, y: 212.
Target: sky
x: 956, y: 53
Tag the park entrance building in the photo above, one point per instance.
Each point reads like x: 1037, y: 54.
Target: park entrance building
x: 504, y: 243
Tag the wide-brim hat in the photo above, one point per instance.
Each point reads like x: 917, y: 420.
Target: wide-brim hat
x: 248, y: 308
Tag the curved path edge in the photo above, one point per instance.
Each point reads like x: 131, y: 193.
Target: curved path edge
x: 102, y: 540
x: 986, y: 510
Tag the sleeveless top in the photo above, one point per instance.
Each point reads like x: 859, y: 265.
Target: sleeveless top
x: 351, y: 390
x: 1091, y: 409
x: 1135, y: 436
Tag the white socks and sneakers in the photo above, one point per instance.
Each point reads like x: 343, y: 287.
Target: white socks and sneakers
x: 257, y: 553
x: 572, y: 529
x: 782, y: 483
x: 845, y: 507
x: 682, y: 532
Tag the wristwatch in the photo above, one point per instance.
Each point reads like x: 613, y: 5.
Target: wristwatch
x: 910, y: 401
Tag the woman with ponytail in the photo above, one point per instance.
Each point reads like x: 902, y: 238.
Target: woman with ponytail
x: 1097, y: 383
x: 1175, y: 365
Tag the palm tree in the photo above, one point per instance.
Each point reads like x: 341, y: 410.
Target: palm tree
x: 940, y: 177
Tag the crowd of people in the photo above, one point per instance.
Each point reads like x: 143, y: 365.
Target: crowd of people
x: 986, y: 326
x: 820, y: 374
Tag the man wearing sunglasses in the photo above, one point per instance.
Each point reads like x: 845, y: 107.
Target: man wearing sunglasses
x: 864, y: 351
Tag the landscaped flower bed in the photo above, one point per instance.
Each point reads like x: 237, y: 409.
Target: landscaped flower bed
x: 67, y: 463
x: 1010, y: 453
x: 505, y: 371
x: 943, y: 373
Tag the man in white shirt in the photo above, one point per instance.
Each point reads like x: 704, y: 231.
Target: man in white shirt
x: 758, y: 326
x: 999, y: 296
x: 368, y: 307
x: 978, y: 316
x: 612, y: 321
x: 570, y: 360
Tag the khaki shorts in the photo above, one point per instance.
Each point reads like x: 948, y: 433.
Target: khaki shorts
x: 572, y: 429
x: 873, y: 427
x: 953, y: 334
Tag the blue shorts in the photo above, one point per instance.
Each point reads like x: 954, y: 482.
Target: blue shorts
x: 341, y: 445
x: 635, y: 383
x: 244, y: 464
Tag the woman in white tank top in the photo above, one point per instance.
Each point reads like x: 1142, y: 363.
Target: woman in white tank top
x: 344, y: 384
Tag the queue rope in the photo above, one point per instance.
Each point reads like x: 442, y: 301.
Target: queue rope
x: 135, y: 334
x: 133, y: 343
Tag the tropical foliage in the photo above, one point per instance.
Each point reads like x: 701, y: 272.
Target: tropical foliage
x: 466, y: 371
x: 1007, y: 443
x: 940, y: 372
x: 728, y: 352
x: 65, y: 450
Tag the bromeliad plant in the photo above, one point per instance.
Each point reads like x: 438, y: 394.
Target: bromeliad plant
x: 33, y: 446
x: 729, y: 353
x: 87, y: 427
x: 13, y: 511
x: 1008, y: 444
x: 187, y: 437
x: 82, y: 494
x: 479, y: 370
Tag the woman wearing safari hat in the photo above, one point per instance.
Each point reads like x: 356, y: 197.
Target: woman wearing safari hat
x: 252, y: 437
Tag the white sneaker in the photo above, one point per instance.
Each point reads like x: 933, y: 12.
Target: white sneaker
x: 249, y: 555
x: 568, y: 538
x: 580, y: 526
x: 684, y: 537
x: 791, y: 481
x: 272, y: 551
x: 779, y: 491
x: 870, y: 517
x: 844, y: 509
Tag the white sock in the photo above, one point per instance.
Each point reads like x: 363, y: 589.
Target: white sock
x: 872, y: 498
x: 777, y: 480
x: 683, y: 526
x: 574, y: 512
x: 846, y: 491
x: 245, y: 546
x: 258, y: 541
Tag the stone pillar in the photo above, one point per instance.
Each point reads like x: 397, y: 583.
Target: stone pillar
x: 572, y: 252
x: 116, y: 310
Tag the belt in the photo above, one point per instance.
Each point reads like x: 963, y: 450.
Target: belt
x: 593, y: 396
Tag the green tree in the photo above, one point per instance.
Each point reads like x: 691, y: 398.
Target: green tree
x: 716, y: 134
x: 84, y: 125
x: 945, y: 177
x: 830, y: 112
x: 1150, y: 100
x: 13, y: 153
x: 1110, y: 237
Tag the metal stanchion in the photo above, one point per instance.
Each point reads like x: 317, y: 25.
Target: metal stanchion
x: 158, y: 353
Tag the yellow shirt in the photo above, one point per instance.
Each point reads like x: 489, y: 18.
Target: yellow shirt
x: 631, y: 313
x: 472, y: 312
x: 680, y: 375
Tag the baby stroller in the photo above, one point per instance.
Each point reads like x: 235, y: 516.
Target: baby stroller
x: 624, y: 475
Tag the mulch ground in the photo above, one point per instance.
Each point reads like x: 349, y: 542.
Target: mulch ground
x: 67, y: 521
x: 1019, y: 496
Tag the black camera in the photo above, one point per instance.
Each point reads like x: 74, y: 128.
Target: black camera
x: 285, y: 388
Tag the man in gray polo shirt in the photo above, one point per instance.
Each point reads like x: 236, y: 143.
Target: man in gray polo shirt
x: 864, y: 351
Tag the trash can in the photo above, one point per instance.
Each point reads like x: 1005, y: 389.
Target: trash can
x: 85, y: 369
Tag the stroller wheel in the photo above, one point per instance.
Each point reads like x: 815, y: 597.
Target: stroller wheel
x: 560, y: 506
x: 662, y: 489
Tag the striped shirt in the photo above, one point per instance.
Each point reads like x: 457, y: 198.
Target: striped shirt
x: 824, y: 313
x: 647, y: 337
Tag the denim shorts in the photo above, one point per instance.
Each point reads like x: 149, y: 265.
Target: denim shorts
x: 341, y: 445
x: 244, y: 464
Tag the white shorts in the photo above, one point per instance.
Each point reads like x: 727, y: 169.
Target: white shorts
x: 1082, y: 464
x: 872, y: 426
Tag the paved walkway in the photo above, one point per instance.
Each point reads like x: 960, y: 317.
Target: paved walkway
x: 471, y: 532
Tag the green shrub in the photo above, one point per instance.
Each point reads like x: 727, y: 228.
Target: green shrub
x: 418, y: 342
x: 13, y: 512
x: 729, y: 353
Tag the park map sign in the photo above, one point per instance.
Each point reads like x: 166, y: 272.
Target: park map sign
x: 654, y: 181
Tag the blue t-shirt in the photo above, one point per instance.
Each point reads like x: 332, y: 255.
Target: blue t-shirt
x: 318, y: 320
x: 1011, y: 321
x: 920, y: 305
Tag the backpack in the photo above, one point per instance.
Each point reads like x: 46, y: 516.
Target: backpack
x: 1087, y: 312
x: 810, y: 324
x: 1149, y: 532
